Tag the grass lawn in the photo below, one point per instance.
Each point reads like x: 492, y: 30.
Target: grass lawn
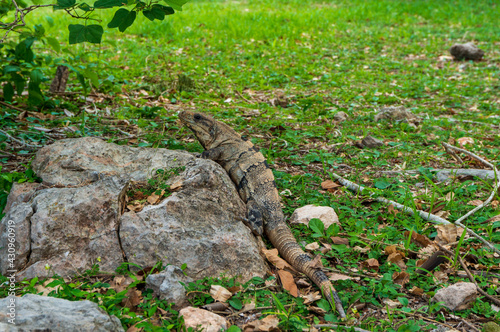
x: 278, y: 72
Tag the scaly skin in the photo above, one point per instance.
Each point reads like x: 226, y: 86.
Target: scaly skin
x: 254, y: 180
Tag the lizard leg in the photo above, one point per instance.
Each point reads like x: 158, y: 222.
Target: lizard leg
x: 254, y: 218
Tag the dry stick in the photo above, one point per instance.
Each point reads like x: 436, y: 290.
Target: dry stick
x: 23, y: 143
x: 242, y: 97
x: 15, y: 108
x: 475, y: 122
x: 457, y: 158
x: 469, y: 275
x: 424, y: 215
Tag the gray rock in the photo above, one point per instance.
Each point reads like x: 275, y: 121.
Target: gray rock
x: 340, y: 116
x: 397, y: 114
x: 446, y: 174
x: 458, y: 296
x: 166, y: 285
x: 196, y: 226
x: 371, y: 142
x: 467, y: 51
x: 85, y: 160
x: 67, y: 228
x: 35, y: 312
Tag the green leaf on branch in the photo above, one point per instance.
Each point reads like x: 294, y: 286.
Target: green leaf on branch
x: 19, y: 82
x: 35, y: 95
x: 10, y: 69
x: 85, y: 7
x: 176, y: 4
x: 158, y: 12
x: 80, y: 33
x: 109, y: 3
x: 54, y: 44
x: 63, y: 4
x: 122, y: 19
x: 23, y: 50
x: 8, y: 92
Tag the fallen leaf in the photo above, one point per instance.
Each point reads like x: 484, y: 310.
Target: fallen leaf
x: 267, y: 324
x: 133, y: 298
x: 338, y: 276
x: 272, y: 257
x: 391, y: 303
x: 441, y: 276
x: 401, y: 278
x: 176, y: 186
x: 153, y: 198
x: 390, y: 250
x: 120, y: 283
x: 446, y: 233
x: 370, y: 263
x: 449, y: 196
x: 329, y: 185
x: 417, y: 291
x: 311, y: 297
x: 288, y: 282
x: 317, y: 310
x: 46, y: 290
x: 312, y: 246
x: 494, y: 219
x: 475, y: 202
x: 316, y: 262
x: 340, y: 240
x: 219, y: 293
x: 420, y: 239
x: 392, y: 210
x: 362, y: 250
x: 137, y: 207
x: 443, y: 214
x: 397, y: 258
x: 462, y: 141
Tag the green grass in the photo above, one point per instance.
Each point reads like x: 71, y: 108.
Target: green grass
x: 318, y: 58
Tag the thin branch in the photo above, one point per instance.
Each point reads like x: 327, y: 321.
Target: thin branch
x: 319, y: 326
x: 19, y: 18
x: 22, y: 142
x: 450, y: 151
x: 15, y: 108
x: 424, y: 215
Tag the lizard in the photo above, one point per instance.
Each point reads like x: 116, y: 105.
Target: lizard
x: 254, y: 180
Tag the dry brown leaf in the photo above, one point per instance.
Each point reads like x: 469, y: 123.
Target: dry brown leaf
x: 316, y: 262
x: 235, y: 289
x: 267, y: 324
x: 443, y: 214
x: 462, y: 141
x: 312, y: 246
x: 494, y: 204
x: 311, y: 297
x: 446, y: 233
x: 288, y: 282
x: 362, y: 250
x: 392, y: 210
x: 475, y: 202
x: 134, y: 297
x: 46, y: 290
x: 397, y: 258
x: 449, y: 196
x: 370, y: 263
x: 272, y: 257
x: 419, y: 239
x: 417, y: 291
x: 441, y: 276
x: 390, y: 250
x: 338, y: 276
x: 176, y: 186
x: 249, y: 306
x: 340, y: 240
x: 120, y: 283
x: 329, y: 185
x: 153, y: 198
x: 401, y: 278
x: 219, y: 293
x: 494, y: 219
x: 317, y: 310
x: 136, y: 207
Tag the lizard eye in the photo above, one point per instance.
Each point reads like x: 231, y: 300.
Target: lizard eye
x: 197, y: 117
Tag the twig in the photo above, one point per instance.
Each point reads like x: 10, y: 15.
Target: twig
x: 457, y: 158
x: 11, y: 106
x: 22, y: 142
x: 427, y: 319
x: 469, y: 275
x: 319, y: 326
x: 8, y: 153
x: 241, y: 96
x: 424, y: 215
x: 475, y: 122
x: 19, y: 18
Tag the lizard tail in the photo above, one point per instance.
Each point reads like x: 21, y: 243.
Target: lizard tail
x: 282, y: 238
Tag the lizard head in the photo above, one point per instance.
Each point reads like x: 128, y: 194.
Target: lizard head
x: 202, y: 125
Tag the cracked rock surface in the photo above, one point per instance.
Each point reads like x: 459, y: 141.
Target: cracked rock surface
x: 75, y: 217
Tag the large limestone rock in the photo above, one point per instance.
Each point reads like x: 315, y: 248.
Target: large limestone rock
x: 43, y: 313
x: 459, y: 296
x: 76, y: 217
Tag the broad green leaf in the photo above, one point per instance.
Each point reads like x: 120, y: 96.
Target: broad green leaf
x: 323, y: 304
x: 165, y: 9
x: 92, y: 75
x: 85, y: 7
x: 382, y: 184
x: 109, y: 3
x: 23, y: 50
x: 19, y: 82
x: 176, y: 4
x: 49, y: 20
x: 8, y: 92
x: 317, y: 226
x: 403, y: 300
x: 158, y: 12
x: 79, y: 33
x: 54, y: 44
x: 236, y: 304
x: 39, y: 30
x: 122, y: 19
x: 62, y: 4
x: 233, y: 328
x: 36, y: 76
x: 11, y: 69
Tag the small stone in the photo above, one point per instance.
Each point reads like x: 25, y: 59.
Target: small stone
x: 324, y: 213
x: 396, y: 113
x: 371, y: 142
x: 340, y: 116
x: 166, y: 285
x: 491, y: 327
x: 458, y: 296
x: 467, y: 51
x: 203, y: 319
